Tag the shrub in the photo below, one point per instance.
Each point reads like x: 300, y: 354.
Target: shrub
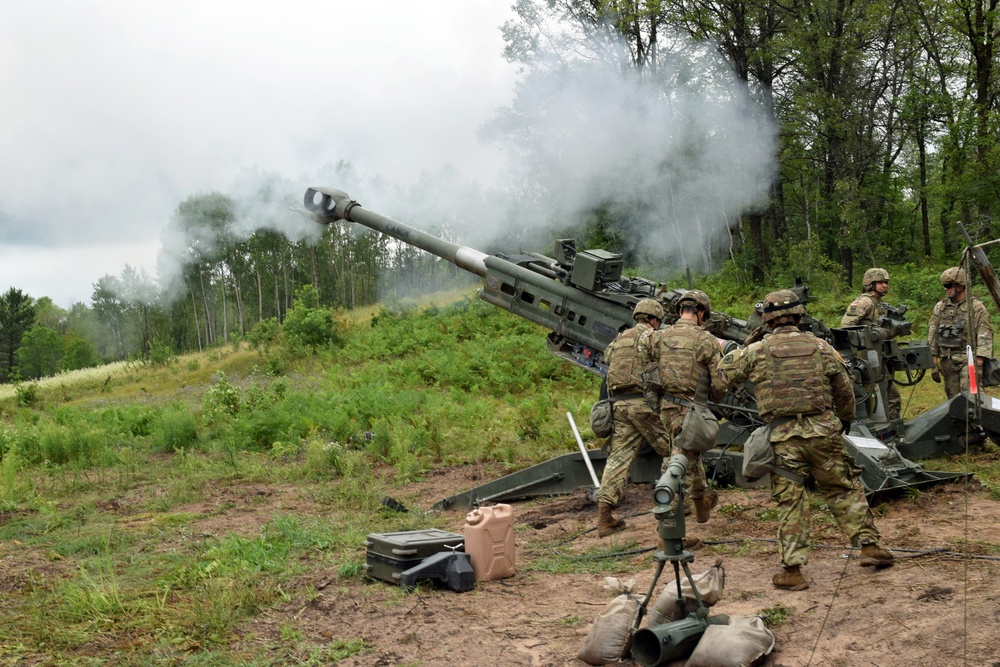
x: 161, y: 354
x: 175, y: 429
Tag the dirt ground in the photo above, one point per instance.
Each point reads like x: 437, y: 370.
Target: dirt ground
x: 938, y: 606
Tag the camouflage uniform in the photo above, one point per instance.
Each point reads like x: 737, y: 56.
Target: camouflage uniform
x: 868, y: 309
x: 635, y: 421
x: 685, y: 354
x: 804, y: 391
x: 948, y: 334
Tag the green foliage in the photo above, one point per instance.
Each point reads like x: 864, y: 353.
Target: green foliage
x: 27, y: 394
x: 161, y: 354
x: 80, y: 353
x: 175, y: 429
x: 310, y: 326
x: 40, y: 352
x: 263, y: 335
x: 776, y: 615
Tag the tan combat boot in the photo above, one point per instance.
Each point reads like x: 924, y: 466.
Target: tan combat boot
x: 790, y: 579
x: 703, y: 506
x: 606, y: 521
x: 872, y: 555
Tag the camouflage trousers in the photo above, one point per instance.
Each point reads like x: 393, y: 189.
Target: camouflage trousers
x: 834, y: 480
x: 695, y: 484
x: 634, y: 422
x: 955, y: 376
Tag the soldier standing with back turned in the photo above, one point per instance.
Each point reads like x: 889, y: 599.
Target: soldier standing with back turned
x: 805, y: 395
x: 634, y: 420
x: 687, y: 356
x: 868, y: 309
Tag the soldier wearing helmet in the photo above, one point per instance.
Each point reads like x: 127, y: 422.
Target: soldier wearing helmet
x: 868, y: 309
x: 955, y: 323
x: 804, y: 394
x: 686, y: 356
x: 634, y: 420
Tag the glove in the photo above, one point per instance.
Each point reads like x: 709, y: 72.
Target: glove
x: 845, y: 426
x: 936, y: 376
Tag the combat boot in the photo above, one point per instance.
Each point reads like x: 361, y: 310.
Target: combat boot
x: 703, y: 506
x: 872, y: 555
x: 790, y: 579
x: 606, y: 521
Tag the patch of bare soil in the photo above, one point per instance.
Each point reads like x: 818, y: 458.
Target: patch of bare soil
x: 936, y: 606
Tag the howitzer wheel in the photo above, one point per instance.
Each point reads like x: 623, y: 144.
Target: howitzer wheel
x: 912, y: 377
x: 863, y: 379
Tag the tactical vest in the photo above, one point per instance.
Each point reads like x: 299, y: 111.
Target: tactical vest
x: 796, y: 383
x: 679, y: 368
x: 876, y: 309
x: 625, y: 370
x: 951, y: 329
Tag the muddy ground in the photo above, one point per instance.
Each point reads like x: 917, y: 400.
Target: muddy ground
x: 939, y: 605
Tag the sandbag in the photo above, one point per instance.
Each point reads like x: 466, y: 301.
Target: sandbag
x: 602, y: 421
x: 699, y: 430
x: 710, y: 585
x: 610, y: 637
x: 741, y: 643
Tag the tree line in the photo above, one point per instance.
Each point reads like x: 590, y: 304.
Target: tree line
x: 222, y: 284
x: 886, y: 111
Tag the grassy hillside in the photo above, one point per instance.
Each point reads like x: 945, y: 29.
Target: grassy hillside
x: 404, y: 392
x: 108, y: 479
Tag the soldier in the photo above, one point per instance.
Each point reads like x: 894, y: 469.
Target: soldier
x: 868, y: 309
x: 687, y: 357
x: 634, y: 420
x: 950, y: 331
x: 805, y: 395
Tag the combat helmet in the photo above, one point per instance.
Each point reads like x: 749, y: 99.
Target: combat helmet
x: 700, y: 300
x: 648, y: 308
x: 781, y: 303
x: 955, y: 274
x: 874, y: 276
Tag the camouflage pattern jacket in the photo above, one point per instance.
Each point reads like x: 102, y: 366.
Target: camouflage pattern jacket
x: 627, y: 357
x: 796, y: 376
x: 866, y: 309
x: 685, y: 353
x: 948, y: 333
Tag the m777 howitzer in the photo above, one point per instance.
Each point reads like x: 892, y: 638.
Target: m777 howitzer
x: 580, y: 296
x: 584, y: 301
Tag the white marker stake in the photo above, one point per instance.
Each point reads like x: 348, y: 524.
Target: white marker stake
x: 583, y: 450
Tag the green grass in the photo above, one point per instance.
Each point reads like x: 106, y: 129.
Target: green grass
x: 113, y: 483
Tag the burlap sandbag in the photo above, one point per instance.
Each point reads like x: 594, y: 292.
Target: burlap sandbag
x: 610, y: 636
x: 710, y: 584
x: 741, y: 643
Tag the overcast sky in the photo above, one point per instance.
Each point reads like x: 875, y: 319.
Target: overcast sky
x: 114, y: 111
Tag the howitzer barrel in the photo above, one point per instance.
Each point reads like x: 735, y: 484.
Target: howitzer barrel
x: 583, y: 322
x: 328, y: 205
